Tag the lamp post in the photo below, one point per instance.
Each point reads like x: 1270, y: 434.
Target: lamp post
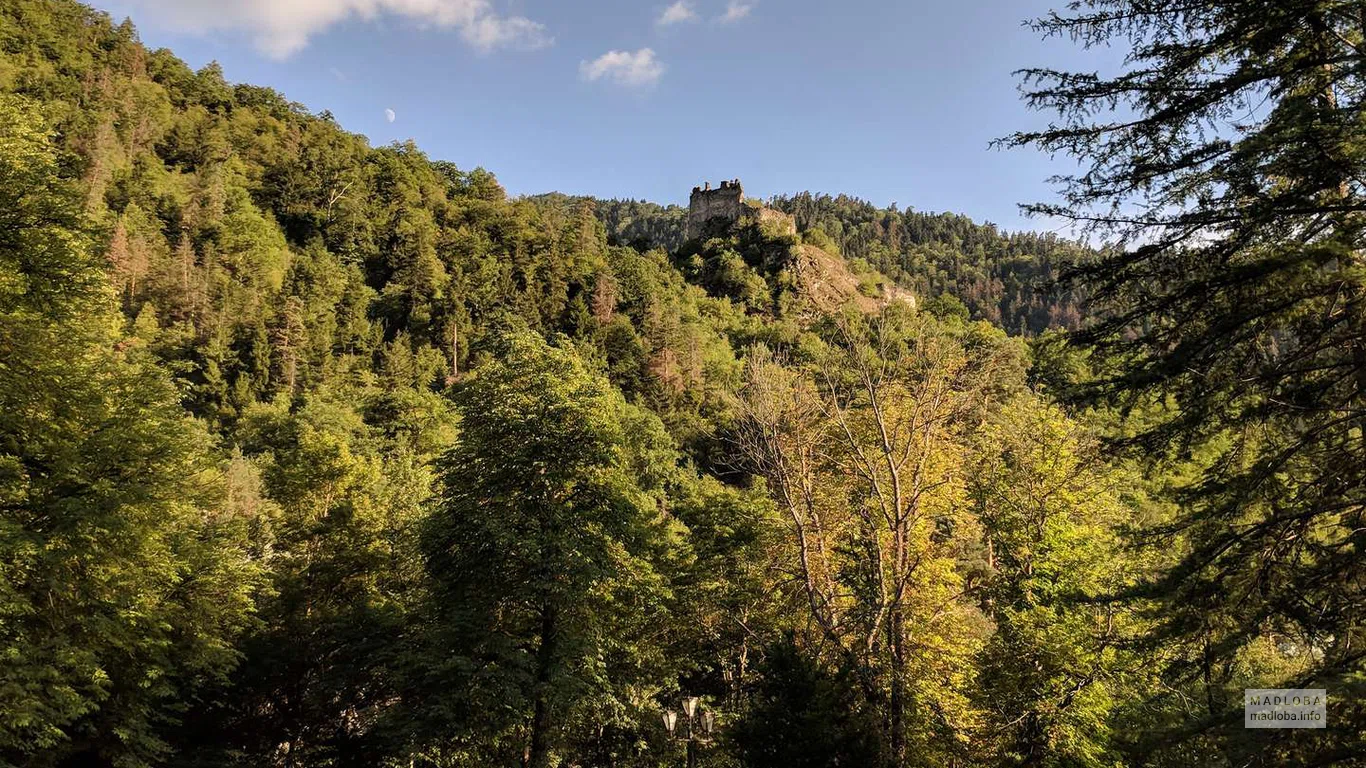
x: 701, y: 725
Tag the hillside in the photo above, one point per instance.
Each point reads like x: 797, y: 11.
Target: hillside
x: 1008, y: 279
x: 314, y: 453
x: 317, y: 454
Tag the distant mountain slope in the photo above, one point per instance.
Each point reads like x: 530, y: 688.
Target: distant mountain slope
x: 637, y: 223
x: 764, y: 264
x: 1005, y: 278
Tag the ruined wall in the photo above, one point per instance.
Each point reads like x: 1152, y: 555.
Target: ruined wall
x: 714, y: 211
x: 716, y: 207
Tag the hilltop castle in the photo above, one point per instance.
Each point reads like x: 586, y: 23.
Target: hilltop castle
x: 717, y: 210
x: 724, y: 206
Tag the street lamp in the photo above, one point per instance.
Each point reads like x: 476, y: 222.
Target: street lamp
x: 701, y: 725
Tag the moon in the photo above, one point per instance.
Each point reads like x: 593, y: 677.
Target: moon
x: 389, y: 115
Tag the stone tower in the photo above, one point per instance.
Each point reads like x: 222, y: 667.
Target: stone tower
x: 723, y: 207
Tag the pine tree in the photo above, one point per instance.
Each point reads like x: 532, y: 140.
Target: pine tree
x: 1227, y: 154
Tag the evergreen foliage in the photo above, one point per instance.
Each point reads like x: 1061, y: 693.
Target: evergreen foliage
x: 314, y: 453
x: 1235, y: 326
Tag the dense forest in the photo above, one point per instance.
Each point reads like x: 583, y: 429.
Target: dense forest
x: 314, y: 453
x: 1010, y: 280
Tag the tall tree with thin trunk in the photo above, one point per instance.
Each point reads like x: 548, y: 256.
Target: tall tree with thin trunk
x: 864, y: 451
x: 543, y: 550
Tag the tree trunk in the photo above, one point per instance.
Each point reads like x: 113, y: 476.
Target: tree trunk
x: 455, y: 354
x: 896, y: 703
x: 537, y: 753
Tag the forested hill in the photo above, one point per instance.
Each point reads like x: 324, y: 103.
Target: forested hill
x: 265, y: 250
x: 314, y: 453
x: 1008, y: 279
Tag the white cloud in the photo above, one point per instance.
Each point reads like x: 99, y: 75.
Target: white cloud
x: 736, y: 10
x: 283, y: 27
x: 677, y: 13
x: 623, y: 67
x: 389, y: 115
x: 489, y: 32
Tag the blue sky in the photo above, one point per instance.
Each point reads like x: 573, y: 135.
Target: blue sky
x: 888, y: 101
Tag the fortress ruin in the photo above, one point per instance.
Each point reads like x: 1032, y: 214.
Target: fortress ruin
x: 719, y: 207
x: 717, y: 210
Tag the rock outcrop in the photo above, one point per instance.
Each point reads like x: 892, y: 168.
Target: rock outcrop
x: 826, y: 282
